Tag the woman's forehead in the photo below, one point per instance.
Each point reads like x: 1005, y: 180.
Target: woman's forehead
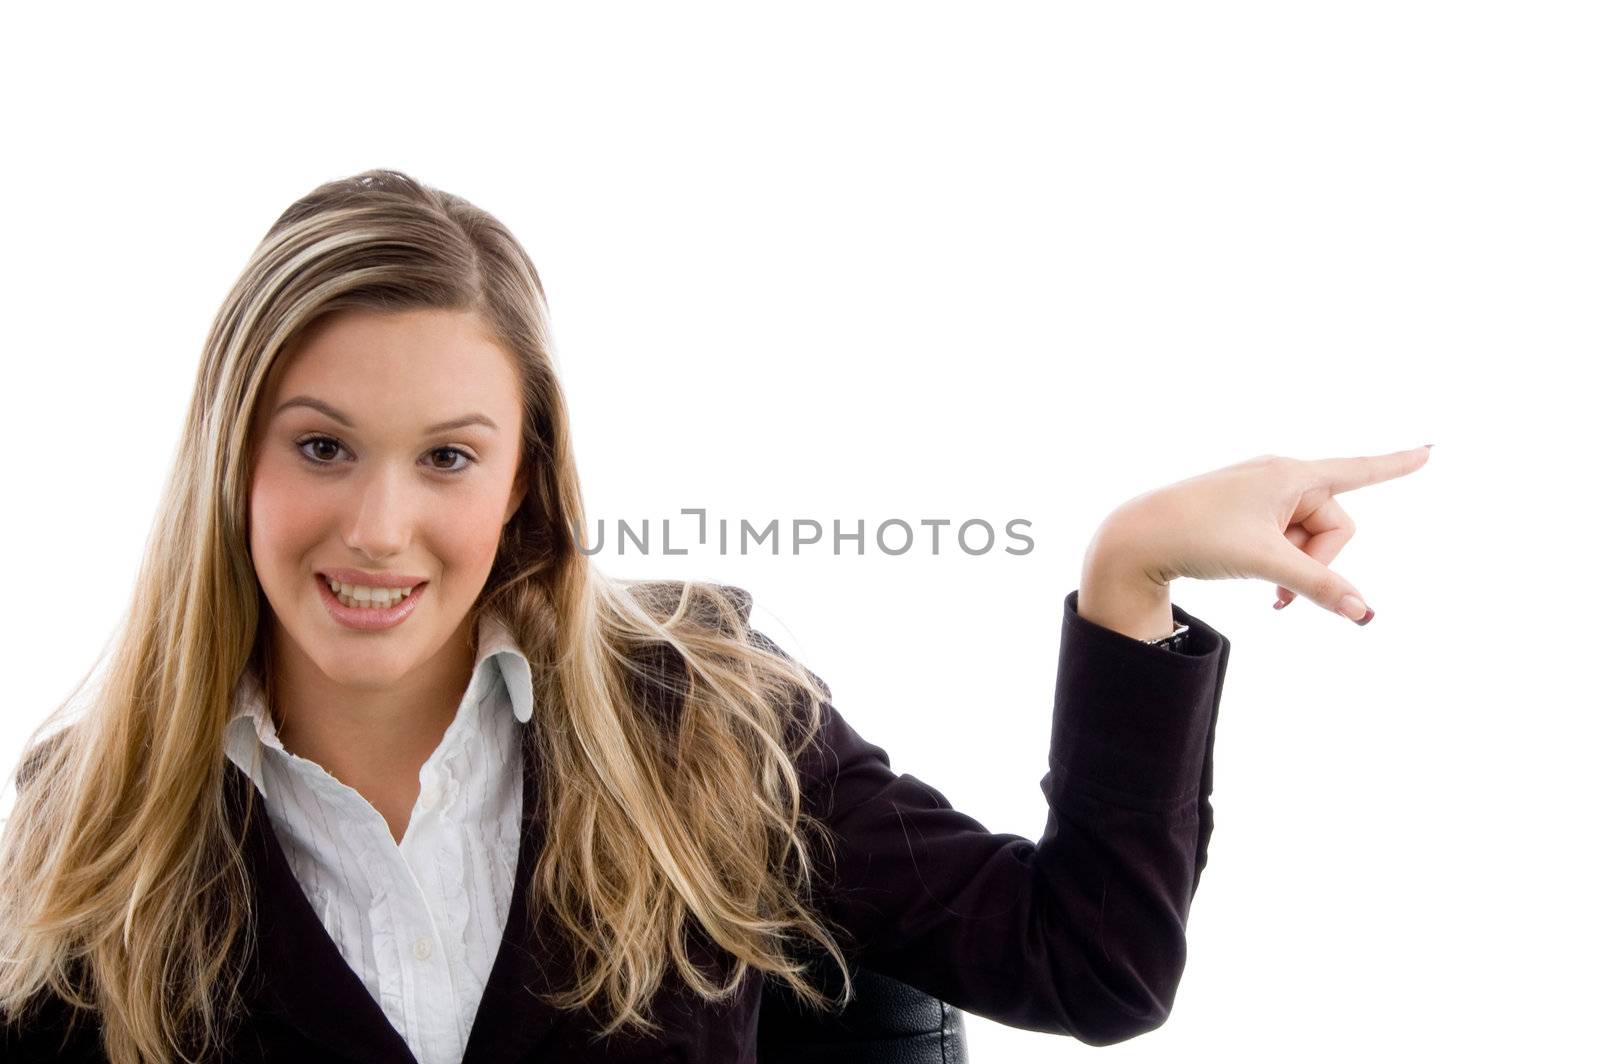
x: 427, y: 360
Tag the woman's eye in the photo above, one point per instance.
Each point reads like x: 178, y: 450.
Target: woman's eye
x: 462, y: 468
x: 307, y: 449
x: 318, y: 441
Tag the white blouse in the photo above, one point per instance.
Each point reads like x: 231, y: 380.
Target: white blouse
x: 420, y: 922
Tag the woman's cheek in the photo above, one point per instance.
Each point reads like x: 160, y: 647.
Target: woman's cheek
x: 279, y: 515
x: 479, y: 535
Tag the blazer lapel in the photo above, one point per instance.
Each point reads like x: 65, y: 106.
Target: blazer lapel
x: 301, y: 976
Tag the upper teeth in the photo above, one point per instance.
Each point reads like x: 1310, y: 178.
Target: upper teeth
x: 381, y: 595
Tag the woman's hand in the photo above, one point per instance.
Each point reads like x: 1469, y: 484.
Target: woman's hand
x: 1269, y: 517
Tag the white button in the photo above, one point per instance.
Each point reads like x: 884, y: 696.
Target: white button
x: 422, y: 948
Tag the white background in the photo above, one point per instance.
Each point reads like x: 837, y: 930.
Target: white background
x: 865, y: 261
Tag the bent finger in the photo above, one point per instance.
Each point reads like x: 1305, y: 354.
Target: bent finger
x: 1299, y: 572
x: 1322, y: 535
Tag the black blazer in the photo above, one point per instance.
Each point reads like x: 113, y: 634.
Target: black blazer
x: 1081, y: 933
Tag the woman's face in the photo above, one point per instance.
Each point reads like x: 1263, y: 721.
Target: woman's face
x: 368, y: 484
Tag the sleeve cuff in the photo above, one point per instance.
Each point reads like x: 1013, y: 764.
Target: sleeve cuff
x: 1133, y: 722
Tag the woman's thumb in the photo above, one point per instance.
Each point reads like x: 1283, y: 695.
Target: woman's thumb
x: 1304, y: 575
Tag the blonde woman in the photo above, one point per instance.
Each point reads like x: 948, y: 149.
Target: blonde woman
x: 383, y: 769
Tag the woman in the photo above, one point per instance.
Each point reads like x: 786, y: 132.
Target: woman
x: 382, y: 768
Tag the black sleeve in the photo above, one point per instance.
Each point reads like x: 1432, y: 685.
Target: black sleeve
x: 1082, y: 932
x: 53, y: 1033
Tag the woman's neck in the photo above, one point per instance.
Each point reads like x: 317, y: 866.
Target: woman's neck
x: 373, y: 741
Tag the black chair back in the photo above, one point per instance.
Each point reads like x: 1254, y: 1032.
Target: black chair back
x: 886, y: 1022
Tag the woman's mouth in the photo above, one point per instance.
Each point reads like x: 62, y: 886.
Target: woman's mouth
x: 365, y: 617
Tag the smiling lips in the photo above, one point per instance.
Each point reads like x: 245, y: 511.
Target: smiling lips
x: 352, y: 612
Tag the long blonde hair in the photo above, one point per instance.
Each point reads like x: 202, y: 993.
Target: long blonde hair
x: 668, y: 728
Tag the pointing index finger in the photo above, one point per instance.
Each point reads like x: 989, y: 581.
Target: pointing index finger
x: 1346, y: 474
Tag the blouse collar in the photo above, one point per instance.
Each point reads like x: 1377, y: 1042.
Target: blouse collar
x: 497, y: 648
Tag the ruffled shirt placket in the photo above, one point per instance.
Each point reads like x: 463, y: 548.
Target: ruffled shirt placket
x: 430, y: 936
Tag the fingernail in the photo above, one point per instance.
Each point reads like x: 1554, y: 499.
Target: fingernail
x: 1353, y: 608
x: 1280, y: 604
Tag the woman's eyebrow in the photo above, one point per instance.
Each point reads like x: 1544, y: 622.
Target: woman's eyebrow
x: 345, y: 420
